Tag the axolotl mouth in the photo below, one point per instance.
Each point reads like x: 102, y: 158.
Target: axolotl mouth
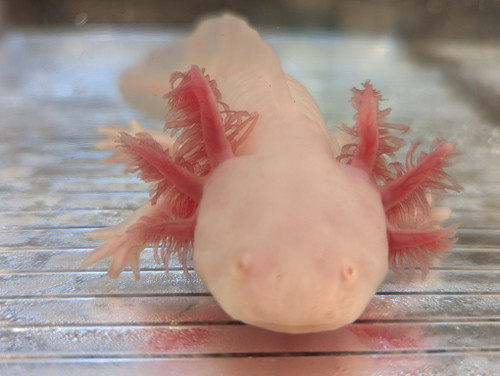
x: 288, y: 232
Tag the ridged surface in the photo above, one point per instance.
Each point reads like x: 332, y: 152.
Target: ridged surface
x: 57, y: 87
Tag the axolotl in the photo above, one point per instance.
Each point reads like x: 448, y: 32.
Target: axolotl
x: 288, y: 229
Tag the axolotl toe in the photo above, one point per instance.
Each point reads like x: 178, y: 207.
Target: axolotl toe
x: 288, y: 231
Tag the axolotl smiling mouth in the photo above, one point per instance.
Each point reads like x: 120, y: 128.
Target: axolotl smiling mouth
x: 287, y: 232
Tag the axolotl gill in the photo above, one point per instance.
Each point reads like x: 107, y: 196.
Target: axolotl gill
x: 289, y: 230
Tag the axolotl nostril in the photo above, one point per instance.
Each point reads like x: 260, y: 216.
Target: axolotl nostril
x: 288, y: 231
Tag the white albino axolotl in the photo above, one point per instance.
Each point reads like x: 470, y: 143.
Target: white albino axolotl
x: 287, y: 232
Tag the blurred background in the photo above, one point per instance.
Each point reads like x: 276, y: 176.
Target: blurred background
x: 411, y: 18
x: 460, y: 36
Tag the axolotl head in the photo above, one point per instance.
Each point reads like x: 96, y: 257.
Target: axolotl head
x: 293, y: 243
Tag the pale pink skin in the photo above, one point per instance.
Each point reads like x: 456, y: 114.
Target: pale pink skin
x: 300, y: 252
x: 287, y: 234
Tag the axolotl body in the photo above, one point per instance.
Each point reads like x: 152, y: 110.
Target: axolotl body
x: 287, y: 231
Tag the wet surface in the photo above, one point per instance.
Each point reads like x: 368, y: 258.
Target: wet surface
x: 57, y: 87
